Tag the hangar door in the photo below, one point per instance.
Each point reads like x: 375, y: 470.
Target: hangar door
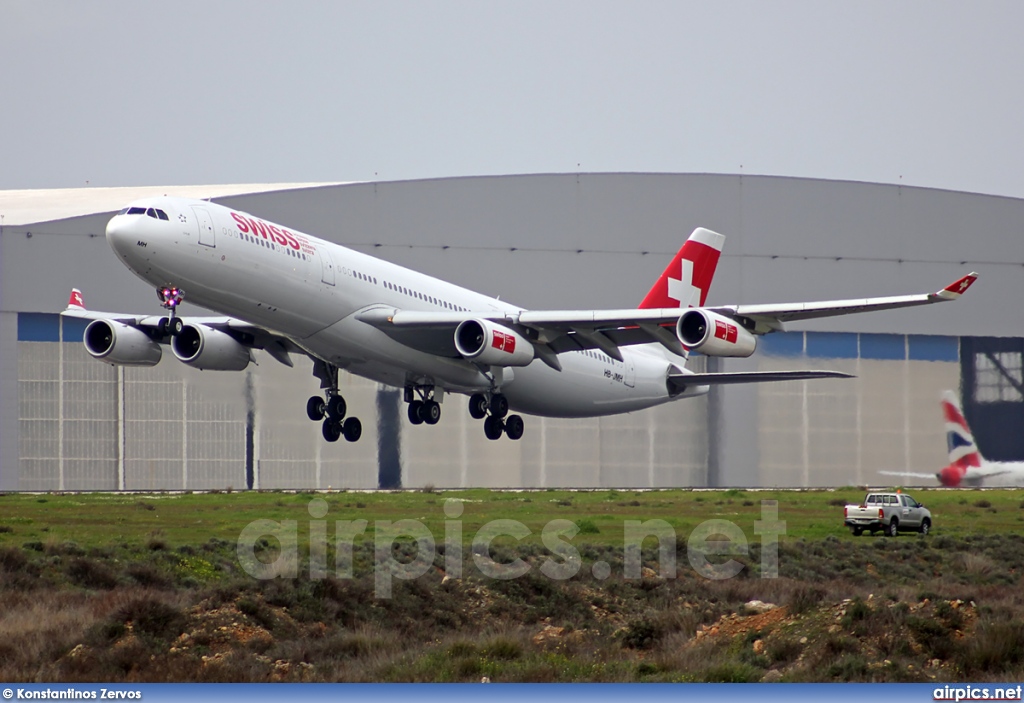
x: 992, y: 370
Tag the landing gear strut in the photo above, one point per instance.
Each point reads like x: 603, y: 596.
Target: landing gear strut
x: 332, y: 407
x: 170, y: 298
x: 496, y: 423
x: 424, y: 409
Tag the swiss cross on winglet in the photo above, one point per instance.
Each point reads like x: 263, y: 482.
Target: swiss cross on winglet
x: 75, y: 300
x: 955, y: 290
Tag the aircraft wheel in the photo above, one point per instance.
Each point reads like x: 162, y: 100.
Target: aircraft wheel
x: 478, y: 406
x: 161, y: 327
x: 415, y: 417
x: 336, y: 408
x: 315, y: 408
x: 175, y: 326
x: 499, y: 406
x: 352, y: 429
x: 331, y: 430
x: 493, y: 427
x: 514, y: 426
x: 430, y: 412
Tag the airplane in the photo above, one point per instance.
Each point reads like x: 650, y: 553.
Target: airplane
x: 967, y: 466
x: 288, y: 293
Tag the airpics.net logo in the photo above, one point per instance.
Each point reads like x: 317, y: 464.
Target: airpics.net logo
x: 710, y: 547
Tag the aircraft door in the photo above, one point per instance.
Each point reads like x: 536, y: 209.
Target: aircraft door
x: 205, y: 223
x: 629, y: 377
x: 327, y: 265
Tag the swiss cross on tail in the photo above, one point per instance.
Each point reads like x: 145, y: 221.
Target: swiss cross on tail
x: 955, y: 290
x: 686, y: 281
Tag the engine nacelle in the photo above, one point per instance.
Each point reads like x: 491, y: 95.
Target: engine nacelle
x: 203, y: 347
x: 120, y: 344
x: 495, y: 345
x: 714, y: 335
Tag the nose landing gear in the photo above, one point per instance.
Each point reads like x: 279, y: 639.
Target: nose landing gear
x: 170, y: 298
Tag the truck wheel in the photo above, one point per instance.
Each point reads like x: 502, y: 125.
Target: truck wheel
x: 894, y: 528
x: 857, y: 531
x: 926, y: 526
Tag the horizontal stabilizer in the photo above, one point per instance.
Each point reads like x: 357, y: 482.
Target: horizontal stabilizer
x: 727, y: 378
x: 907, y: 474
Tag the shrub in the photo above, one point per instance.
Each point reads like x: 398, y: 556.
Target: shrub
x: 12, y: 559
x: 152, y: 617
x: 587, y: 527
x: 641, y: 634
x: 983, y: 503
x: 91, y: 574
x: 996, y: 646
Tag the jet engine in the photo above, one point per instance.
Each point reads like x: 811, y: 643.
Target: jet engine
x: 203, y: 347
x: 120, y: 344
x: 714, y: 335
x: 951, y: 476
x: 495, y: 345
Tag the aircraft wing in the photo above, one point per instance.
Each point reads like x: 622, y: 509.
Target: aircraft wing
x: 557, y: 331
x: 771, y: 316
x: 277, y: 345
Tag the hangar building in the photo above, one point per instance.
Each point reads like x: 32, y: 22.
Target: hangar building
x: 565, y: 241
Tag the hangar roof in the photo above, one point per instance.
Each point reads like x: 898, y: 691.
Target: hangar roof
x: 24, y: 207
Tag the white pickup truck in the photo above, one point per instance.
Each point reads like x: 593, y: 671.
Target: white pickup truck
x: 891, y: 512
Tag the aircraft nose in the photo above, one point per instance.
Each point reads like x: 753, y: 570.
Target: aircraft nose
x: 119, y: 235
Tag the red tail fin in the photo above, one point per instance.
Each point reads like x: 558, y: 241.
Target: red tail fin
x: 686, y: 281
x: 75, y: 301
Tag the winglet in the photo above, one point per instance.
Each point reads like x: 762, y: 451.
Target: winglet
x: 955, y: 290
x: 75, y: 301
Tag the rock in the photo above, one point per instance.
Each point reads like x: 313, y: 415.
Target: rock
x: 759, y: 606
x: 803, y: 640
x: 758, y: 646
x: 773, y: 676
x: 485, y: 679
x: 548, y: 633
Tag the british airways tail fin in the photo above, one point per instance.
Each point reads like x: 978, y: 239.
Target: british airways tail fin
x: 686, y: 281
x: 963, y: 451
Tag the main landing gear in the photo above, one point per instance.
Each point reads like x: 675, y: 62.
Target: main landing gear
x: 331, y: 409
x: 425, y: 409
x: 495, y: 423
x: 170, y: 298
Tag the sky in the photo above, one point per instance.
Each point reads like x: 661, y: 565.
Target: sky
x: 104, y: 93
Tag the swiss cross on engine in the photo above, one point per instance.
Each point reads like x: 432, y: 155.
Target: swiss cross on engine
x: 504, y: 342
x: 725, y: 331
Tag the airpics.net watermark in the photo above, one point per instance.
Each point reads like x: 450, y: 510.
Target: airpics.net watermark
x: 711, y: 538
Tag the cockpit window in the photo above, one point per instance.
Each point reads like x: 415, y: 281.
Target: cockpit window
x: 135, y: 211
x: 152, y: 212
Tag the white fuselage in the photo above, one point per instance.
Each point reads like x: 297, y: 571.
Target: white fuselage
x: 310, y: 290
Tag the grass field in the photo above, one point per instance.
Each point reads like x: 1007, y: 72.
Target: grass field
x: 148, y: 587
x: 108, y: 519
